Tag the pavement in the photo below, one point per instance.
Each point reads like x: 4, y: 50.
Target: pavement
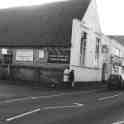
x: 23, y: 104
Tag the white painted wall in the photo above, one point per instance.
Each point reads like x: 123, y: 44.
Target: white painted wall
x: 75, y: 41
x: 90, y: 71
x: 85, y: 74
x: 90, y: 52
x: 91, y: 18
x: 105, y: 57
x: 116, y: 45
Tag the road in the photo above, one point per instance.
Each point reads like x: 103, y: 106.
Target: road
x: 94, y: 106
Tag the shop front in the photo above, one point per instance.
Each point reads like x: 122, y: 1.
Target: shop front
x: 34, y: 64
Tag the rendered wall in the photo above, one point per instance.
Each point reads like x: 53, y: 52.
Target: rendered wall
x: 83, y: 74
x: 91, y: 18
x: 90, y: 71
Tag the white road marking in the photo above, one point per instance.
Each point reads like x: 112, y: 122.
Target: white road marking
x: 39, y: 97
x: 118, y: 122
x: 108, y: 97
x: 30, y: 98
x: 22, y: 115
x: 45, y: 97
x: 75, y: 105
x: 17, y: 99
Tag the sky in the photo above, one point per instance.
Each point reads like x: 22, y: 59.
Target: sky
x: 16, y: 3
x: 111, y: 16
x: 110, y: 12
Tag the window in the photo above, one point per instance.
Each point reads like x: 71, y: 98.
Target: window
x: 122, y: 71
x: 115, y: 51
x: 97, y: 51
x: 24, y: 55
x: 58, y: 55
x: 6, y: 56
x: 83, y: 48
x: 105, y: 49
x: 4, y: 51
x: 41, y: 53
x: 7, y: 59
x: 115, y: 68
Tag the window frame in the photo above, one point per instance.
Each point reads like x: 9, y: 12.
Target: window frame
x: 97, y: 50
x: 83, y: 45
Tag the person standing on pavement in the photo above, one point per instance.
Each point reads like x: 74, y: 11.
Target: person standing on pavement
x: 66, y: 75
x: 71, y: 78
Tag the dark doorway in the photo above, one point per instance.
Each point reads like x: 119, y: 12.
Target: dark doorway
x: 104, y: 72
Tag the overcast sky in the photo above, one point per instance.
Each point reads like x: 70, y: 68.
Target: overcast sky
x: 110, y: 12
x: 111, y: 16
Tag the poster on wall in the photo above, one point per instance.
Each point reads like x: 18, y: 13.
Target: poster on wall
x: 24, y: 55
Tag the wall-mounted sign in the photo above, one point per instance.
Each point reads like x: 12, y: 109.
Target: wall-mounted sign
x: 24, y: 55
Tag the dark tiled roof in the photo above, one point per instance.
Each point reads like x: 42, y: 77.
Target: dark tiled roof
x: 119, y: 38
x: 42, y: 25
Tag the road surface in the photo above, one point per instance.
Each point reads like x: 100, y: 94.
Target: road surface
x: 94, y: 106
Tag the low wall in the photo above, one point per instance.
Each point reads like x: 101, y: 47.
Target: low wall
x: 85, y: 74
x: 21, y: 73
x: 36, y: 74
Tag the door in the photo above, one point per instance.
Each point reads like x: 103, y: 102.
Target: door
x: 104, y: 66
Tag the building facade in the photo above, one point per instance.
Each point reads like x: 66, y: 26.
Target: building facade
x: 91, y: 49
x: 38, y: 43
x: 35, y: 41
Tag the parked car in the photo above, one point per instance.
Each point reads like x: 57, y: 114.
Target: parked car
x: 115, y: 81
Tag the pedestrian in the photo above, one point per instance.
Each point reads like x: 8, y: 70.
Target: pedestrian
x: 71, y: 79
x: 66, y: 75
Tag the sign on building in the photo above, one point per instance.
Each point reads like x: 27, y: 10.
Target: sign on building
x: 24, y: 55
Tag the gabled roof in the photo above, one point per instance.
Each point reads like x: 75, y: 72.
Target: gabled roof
x: 118, y: 38
x: 43, y: 25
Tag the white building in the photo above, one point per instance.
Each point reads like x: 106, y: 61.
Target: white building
x: 46, y: 39
x: 90, y: 47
